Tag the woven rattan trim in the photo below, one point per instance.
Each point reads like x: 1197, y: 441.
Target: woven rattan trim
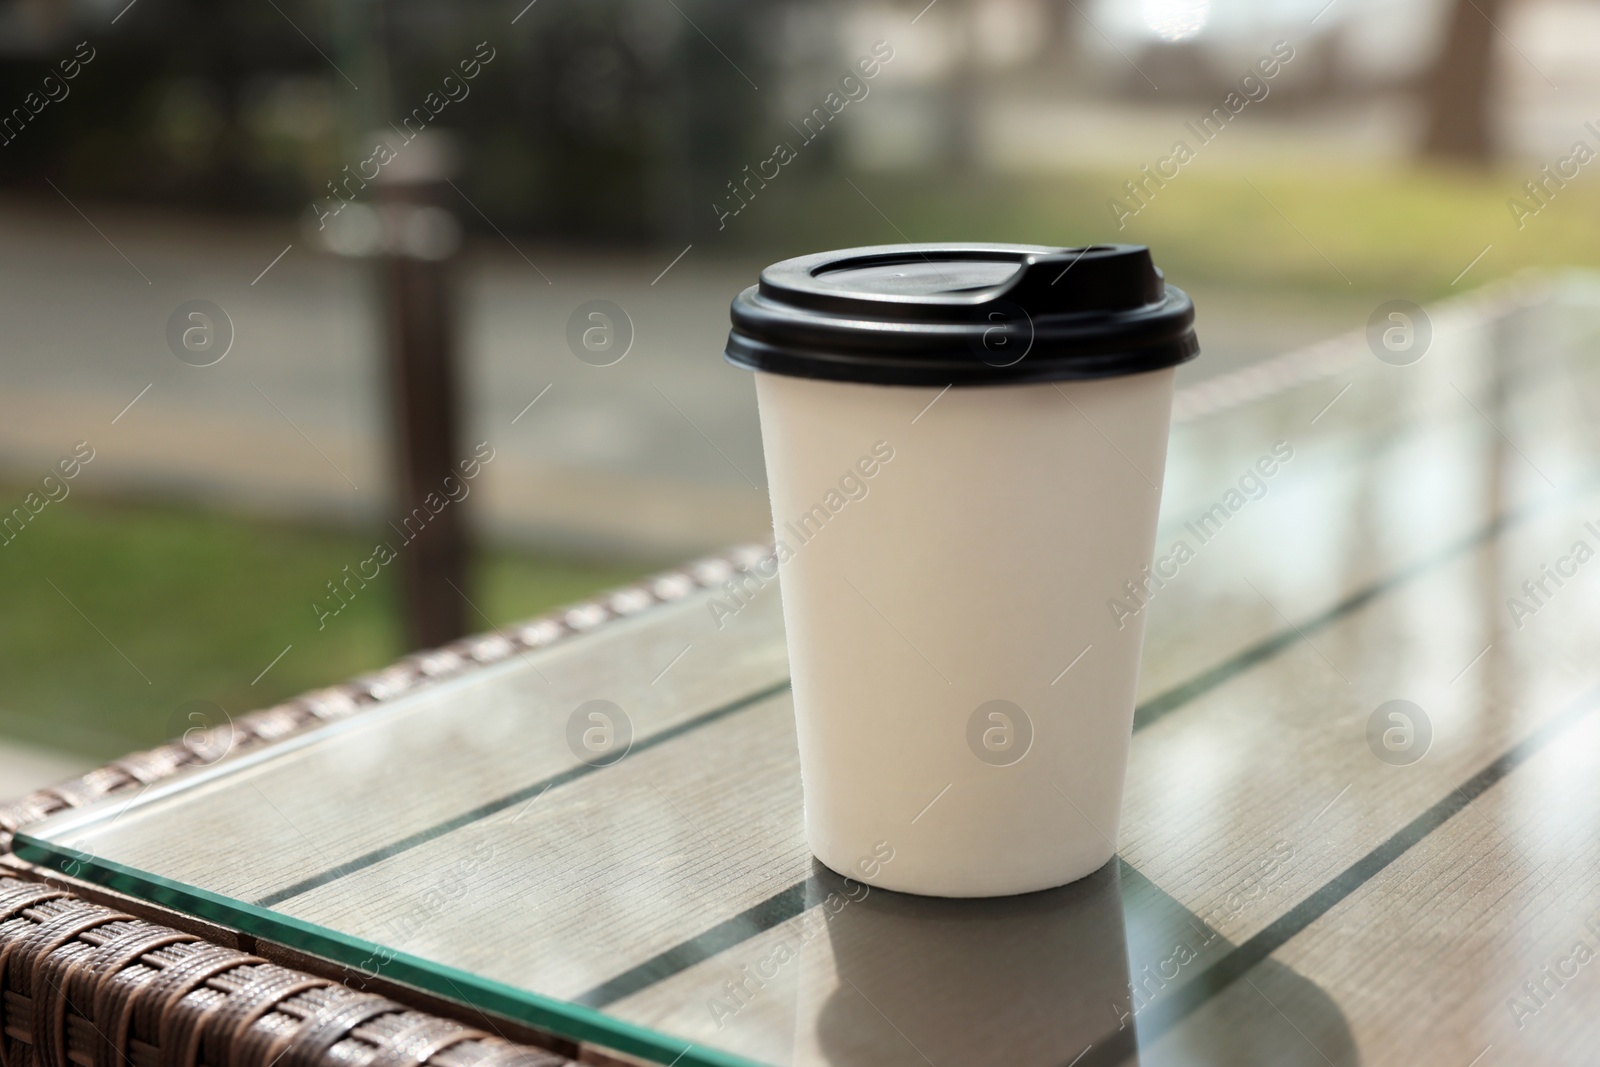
x: 81, y: 984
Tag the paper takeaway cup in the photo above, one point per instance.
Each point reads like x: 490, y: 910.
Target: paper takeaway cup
x: 964, y: 446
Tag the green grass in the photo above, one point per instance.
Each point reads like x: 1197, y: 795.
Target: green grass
x: 169, y: 605
x: 1400, y: 232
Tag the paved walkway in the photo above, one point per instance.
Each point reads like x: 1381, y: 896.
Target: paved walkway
x: 658, y: 454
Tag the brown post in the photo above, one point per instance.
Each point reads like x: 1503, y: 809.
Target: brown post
x: 1459, y: 89
x: 430, y: 530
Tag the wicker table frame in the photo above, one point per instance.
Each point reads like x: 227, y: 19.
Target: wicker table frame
x: 86, y: 984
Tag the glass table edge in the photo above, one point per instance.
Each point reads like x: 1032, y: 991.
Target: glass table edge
x: 559, y: 1017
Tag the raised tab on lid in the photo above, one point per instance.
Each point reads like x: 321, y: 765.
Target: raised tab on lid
x: 1096, y: 278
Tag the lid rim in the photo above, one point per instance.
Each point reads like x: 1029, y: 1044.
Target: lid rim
x: 1112, y: 363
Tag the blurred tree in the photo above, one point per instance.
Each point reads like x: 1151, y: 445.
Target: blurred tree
x: 1458, y: 91
x: 1063, y: 26
x: 963, y: 89
x: 619, y: 119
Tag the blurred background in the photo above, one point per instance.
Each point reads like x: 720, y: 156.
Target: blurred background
x: 266, y: 261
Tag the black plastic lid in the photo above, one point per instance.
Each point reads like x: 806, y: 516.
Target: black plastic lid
x: 963, y: 314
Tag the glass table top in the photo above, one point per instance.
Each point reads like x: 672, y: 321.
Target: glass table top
x: 1362, y: 815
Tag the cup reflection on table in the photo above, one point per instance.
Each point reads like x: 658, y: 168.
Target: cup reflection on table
x: 1009, y: 980
x: 1093, y: 969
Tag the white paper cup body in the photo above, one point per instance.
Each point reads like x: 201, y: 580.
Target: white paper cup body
x: 963, y: 689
